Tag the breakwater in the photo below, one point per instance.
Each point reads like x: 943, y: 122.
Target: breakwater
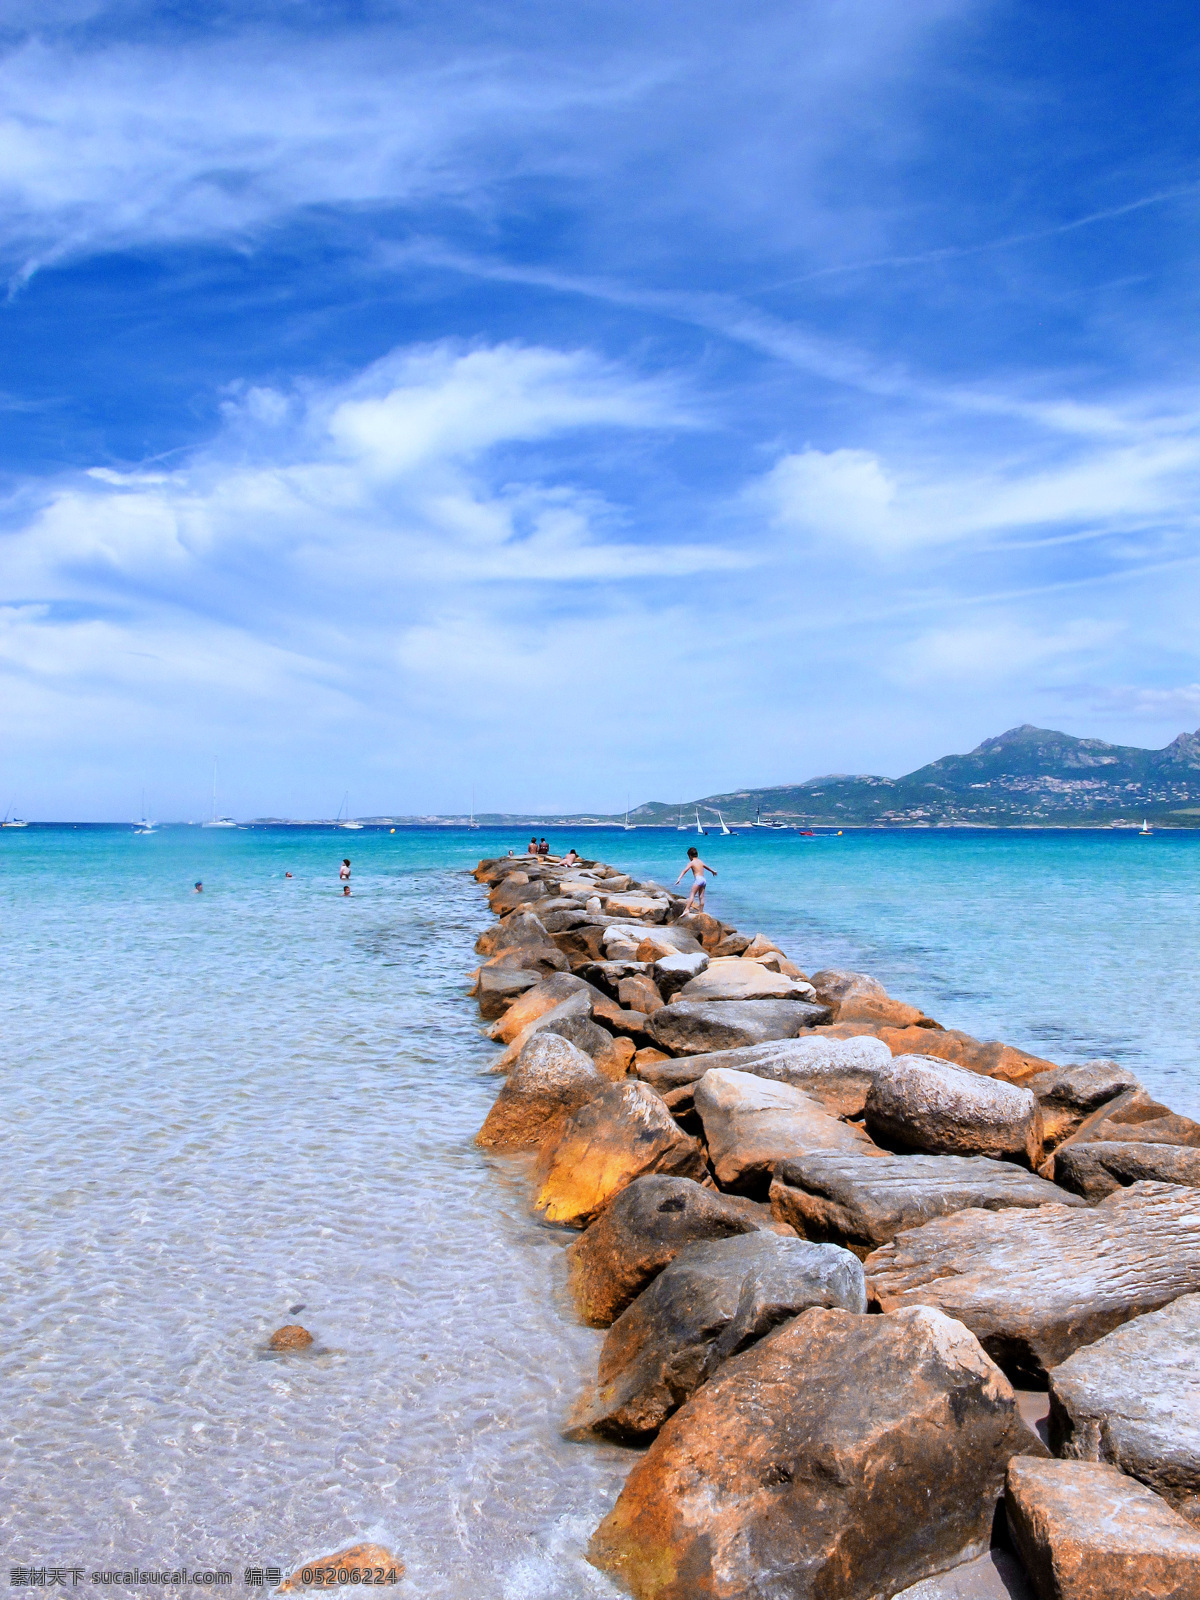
x: 841, y: 1251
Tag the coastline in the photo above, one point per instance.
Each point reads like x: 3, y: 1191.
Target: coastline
x: 589, y: 1028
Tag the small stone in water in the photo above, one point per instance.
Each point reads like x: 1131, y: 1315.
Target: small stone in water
x: 291, y: 1337
x: 292, y: 1310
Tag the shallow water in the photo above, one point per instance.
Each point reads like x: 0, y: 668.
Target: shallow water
x: 221, y: 1106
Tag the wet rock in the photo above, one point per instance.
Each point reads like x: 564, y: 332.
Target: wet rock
x: 862, y: 1202
x: 1069, y: 1094
x: 1133, y: 1399
x: 1087, y: 1532
x: 642, y: 1231
x: 354, y: 1558
x: 1034, y: 1286
x: 497, y: 987
x: 533, y: 1004
x: 577, y: 1007
x: 291, y: 1337
x: 751, y: 1124
x: 841, y: 1456
x: 550, y: 1079
x: 687, y: 1027
x: 735, y: 979
x: 837, y: 1072
x: 1094, y: 1170
x: 928, y: 1105
x: 625, y: 1132
x: 713, y: 1300
x: 673, y: 971
x: 639, y: 993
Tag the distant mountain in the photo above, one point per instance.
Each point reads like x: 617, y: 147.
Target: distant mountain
x: 1027, y: 776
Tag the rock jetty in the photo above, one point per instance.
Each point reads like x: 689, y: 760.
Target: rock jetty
x: 838, y: 1248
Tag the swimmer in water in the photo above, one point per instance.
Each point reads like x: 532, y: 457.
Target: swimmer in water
x: 697, y: 868
x: 345, y: 888
x: 287, y: 874
x: 344, y: 870
x: 199, y: 888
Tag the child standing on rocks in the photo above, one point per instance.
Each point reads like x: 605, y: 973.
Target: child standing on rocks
x: 695, y: 899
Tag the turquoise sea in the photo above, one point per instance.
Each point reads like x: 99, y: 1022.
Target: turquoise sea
x: 221, y: 1106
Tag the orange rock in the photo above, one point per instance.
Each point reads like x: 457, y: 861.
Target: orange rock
x: 359, y: 1558
x: 639, y: 993
x: 992, y: 1059
x: 291, y: 1337
x: 883, y: 1010
x: 531, y: 1005
x: 646, y: 1057
x: 615, y: 1058
x: 623, y: 1133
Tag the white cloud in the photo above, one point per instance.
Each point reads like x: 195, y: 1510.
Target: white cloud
x: 986, y: 651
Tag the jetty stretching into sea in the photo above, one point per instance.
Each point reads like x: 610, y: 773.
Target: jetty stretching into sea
x: 890, y: 1306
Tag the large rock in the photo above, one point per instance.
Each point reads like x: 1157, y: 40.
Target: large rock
x: 703, y: 927
x: 581, y: 944
x: 1087, y: 1532
x: 606, y: 975
x: 576, y: 1007
x: 643, y: 907
x: 989, y: 1058
x: 522, y: 930
x: 1137, y: 1117
x: 621, y: 943
x: 833, y: 985
x: 862, y: 1202
x: 1133, y: 1399
x: 497, y: 987
x: 927, y: 1105
x: 751, y: 1124
x: 1069, y: 1094
x: 623, y: 1133
x: 1034, y: 1286
x: 711, y: 1302
x: 639, y: 993
x: 534, y: 1004
x: 550, y: 1079
x: 837, y: 1072
x: 841, y: 1456
x: 857, y: 997
x: 732, y: 978
x: 643, y: 1230
x: 1094, y: 1170
x: 511, y: 892
x: 687, y: 1027
x: 659, y: 943
x: 672, y: 972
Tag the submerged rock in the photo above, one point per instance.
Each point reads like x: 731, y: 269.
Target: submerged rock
x: 713, y: 1300
x: 751, y: 1124
x: 927, y: 1105
x: 687, y: 1027
x: 291, y: 1337
x: 1133, y: 1399
x: 623, y: 1133
x: 862, y: 1202
x: 1034, y: 1286
x: 1087, y: 1532
x: 643, y: 1230
x: 842, y: 1456
x: 359, y: 1558
x: 551, y: 1079
x: 1095, y: 1170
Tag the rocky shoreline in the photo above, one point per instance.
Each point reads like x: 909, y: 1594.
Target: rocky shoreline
x: 890, y: 1310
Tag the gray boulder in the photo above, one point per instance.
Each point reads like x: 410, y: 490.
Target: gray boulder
x: 497, y: 987
x: 671, y: 973
x: 1071, y: 1093
x: 1133, y: 1399
x: 1094, y: 1170
x: 751, y: 1124
x: 1034, y: 1286
x: 551, y: 1077
x: 837, y: 1072
x: 711, y: 1301
x: 862, y: 1202
x: 735, y: 979
x: 687, y: 1027
x: 925, y: 1104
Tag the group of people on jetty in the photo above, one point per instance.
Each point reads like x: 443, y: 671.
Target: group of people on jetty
x: 890, y: 1310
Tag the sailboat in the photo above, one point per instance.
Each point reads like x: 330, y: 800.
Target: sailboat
x: 347, y: 821
x: 144, y: 826
x: 720, y: 819
x: 630, y: 827
x: 215, y: 821
x: 472, y: 823
x: 680, y: 824
x: 1145, y: 831
x: 699, y: 829
x: 9, y: 821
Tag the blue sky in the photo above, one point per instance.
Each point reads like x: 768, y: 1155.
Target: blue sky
x: 568, y: 402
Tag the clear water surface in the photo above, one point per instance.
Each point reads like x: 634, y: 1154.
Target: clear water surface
x: 217, y: 1107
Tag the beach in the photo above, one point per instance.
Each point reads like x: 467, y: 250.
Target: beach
x: 227, y: 1105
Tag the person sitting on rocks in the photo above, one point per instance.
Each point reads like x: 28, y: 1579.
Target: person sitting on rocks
x: 533, y: 846
x: 695, y: 899
x: 543, y: 848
